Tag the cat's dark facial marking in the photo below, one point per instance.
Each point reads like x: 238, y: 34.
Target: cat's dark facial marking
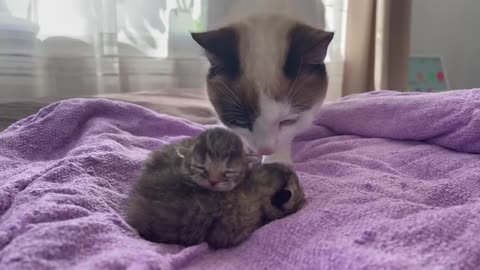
x: 235, y: 105
x: 217, y: 160
x: 305, y: 65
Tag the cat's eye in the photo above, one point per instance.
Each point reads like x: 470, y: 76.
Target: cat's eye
x: 240, y: 123
x: 288, y: 122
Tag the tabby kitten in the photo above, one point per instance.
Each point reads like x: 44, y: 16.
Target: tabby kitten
x: 267, y: 79
x: 271, y: 191
x: 179, y: 193
x: 216, y: 160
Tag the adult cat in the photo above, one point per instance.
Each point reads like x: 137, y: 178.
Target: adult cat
x: 267, y: 79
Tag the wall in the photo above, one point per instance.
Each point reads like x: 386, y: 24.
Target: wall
x: 451, y: 29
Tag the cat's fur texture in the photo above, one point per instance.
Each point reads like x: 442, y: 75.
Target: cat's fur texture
x: 267, y: 79
x: 168, y: 205
x: 271, y: 191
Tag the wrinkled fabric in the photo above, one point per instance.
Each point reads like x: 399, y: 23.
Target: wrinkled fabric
x: 392, y: 182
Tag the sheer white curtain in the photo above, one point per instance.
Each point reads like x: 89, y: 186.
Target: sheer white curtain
x: 67, y: 48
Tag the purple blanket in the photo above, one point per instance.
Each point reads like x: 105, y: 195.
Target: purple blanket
x: 392, y: 182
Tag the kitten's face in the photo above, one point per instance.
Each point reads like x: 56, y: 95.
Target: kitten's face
x: 267, y: 78
x: 217, y: 160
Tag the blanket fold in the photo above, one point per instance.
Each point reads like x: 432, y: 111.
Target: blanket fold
x: 449, y: 119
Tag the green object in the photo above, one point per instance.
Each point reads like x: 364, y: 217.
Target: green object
x: 182, y: 21
x: 200, y: 25
x: 432, y: 77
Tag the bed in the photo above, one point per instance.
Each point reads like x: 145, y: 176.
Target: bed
x: 392, y: 182
x: 188, y: 103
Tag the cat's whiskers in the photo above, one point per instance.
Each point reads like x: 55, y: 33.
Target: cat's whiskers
x: 231, y: 114
x: 233, y: 111
x: 237, y: 106
x: 231, y: 92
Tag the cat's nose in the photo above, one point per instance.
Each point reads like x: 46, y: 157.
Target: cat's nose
x: 265, y: 151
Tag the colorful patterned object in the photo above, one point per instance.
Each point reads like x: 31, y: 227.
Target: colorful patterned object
x: 426, y: 74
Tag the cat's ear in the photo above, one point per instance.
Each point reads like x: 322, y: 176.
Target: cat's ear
x: 318, y: 52
x: 309, y: 43
x: 280, y: 198
x: 220, y: 45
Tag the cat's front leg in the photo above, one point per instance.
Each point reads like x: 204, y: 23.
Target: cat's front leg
x: 282, y: 155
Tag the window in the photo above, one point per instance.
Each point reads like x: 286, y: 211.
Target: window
x: 83, y: 47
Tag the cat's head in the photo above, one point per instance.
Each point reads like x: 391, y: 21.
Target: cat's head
x: 216, y: 160
x: 285, y: 195
x: 267, y: 77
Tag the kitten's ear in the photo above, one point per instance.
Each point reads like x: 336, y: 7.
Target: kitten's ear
x: 220, y: 45
x: 280, y: 198
x: 311, y: 43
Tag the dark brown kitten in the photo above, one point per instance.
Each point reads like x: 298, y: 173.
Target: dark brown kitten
x: 177, y: 197
x: 271, y: 191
